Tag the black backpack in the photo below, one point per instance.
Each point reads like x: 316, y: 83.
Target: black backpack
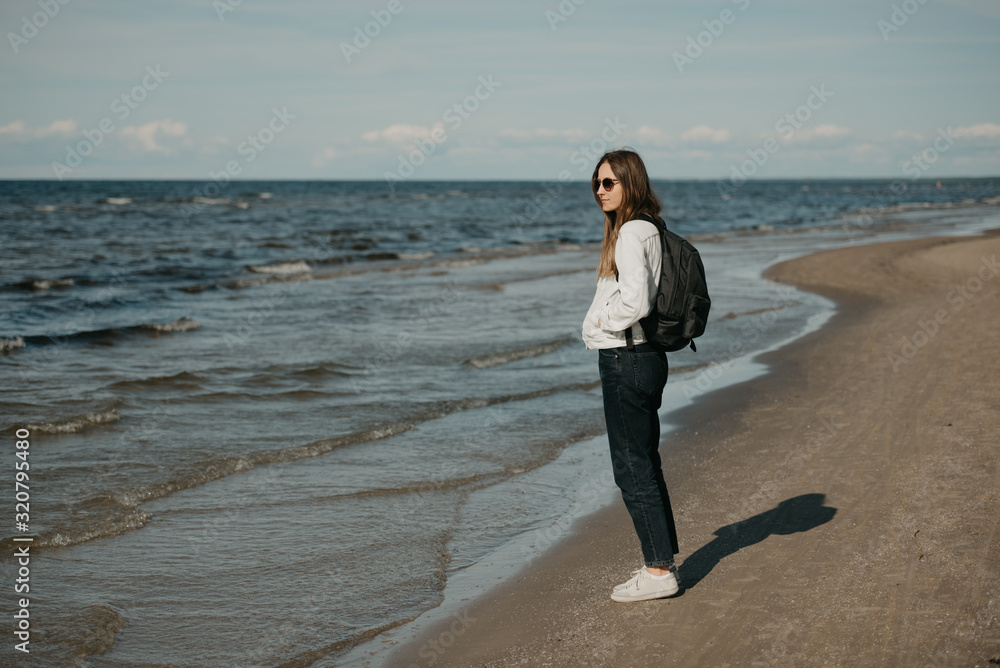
x: 680, y: 312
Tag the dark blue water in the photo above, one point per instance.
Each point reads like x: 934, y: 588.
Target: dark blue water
x: 164, y: 237
x: 237, y: 400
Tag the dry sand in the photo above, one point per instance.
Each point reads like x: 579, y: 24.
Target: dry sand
x: 842, y: 510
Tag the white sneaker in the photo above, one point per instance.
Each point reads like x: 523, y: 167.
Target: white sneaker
x: 642, y: 587
x: 673, y: 569
x: 632, y: 575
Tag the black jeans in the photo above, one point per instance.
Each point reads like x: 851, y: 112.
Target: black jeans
x: 632, y: 383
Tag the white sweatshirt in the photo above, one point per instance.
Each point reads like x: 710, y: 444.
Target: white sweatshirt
x: 621, y: 303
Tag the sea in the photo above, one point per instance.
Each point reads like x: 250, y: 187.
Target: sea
x: 286, y: 424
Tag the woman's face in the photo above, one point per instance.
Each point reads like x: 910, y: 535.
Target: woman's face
x: 610, y: 200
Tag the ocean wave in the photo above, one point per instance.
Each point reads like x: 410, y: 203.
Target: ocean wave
x: 243, y: 397
x: 265, y: 195
x: 416, y: 488
x: 310, y: 656
x: 46, y: 207
x: 732, y: 314
x: 243, y: 283
x: 76, y: 423
x: 905, y: 207
x: 212, y: 469
x: 376, y: 257
x: 275, y: 374
x: 93, y: 630
x: 94, y: 518
x: 335, y: 259
x: 119, y: 201
x: 505, y: 357
x: 41, y: 284
x: 210, y: 201
x: 266, y: 376
x: 384, y: 261
x: 184, y: 324
x: 419, y: 487
x: 323, y: 370
x: 495, y: 286
x: 8, y: 346
x: 185, y: 380
x: 288, y: 278
x: 44, y: 284
x: 116, y: 512
x: 110, y: 333
x: 293, y: 267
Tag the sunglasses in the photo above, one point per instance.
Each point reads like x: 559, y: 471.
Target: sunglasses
x: 609, y: 184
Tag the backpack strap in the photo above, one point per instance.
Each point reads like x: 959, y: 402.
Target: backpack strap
x: 629, y: 339
x: 649, y: 218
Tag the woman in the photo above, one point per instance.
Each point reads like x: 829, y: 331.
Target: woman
x: 632, y: 380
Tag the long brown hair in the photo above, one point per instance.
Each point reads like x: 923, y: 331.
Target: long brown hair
x: 637, y: 198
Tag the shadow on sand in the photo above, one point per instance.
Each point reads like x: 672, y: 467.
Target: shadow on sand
x: 800, y: 513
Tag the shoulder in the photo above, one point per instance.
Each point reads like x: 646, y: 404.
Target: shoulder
x: 638, y: 229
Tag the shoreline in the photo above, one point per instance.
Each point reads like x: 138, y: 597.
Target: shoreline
x: 549, y: 615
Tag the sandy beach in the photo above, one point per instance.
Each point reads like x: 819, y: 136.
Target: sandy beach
x: 841, y: 510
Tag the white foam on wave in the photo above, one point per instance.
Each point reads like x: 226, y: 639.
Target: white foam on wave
x: 45, y: 284
x: 46, y: 207
x: 496, y: 359
x: 76, y: 423
x: 184, y: 324
x: 244, y: 283
x: 118, y: 200
x: 126, y: 520
x: 297, y: 267
x: 210, y: 200
x: 7, y: 346
x: 415, y: 256
x: 265, y: 195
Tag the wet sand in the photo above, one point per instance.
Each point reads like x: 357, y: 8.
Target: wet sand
x: 842, y: 510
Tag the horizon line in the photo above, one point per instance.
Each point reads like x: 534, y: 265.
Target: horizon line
x: 494, y: 180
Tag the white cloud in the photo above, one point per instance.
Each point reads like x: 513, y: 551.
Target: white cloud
x: 824, y: 134
x: 324, y: 156
x: 978, y: 131
x: 653, y: 136
x: 906, y: 134
x: 67, y: 127
x: 702, y: 134
x: 14, y: 127
x: 19, y: 130
x: 402, y: 135
x: 145, y: 136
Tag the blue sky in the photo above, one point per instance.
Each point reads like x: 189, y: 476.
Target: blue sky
x: 775, y: 89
